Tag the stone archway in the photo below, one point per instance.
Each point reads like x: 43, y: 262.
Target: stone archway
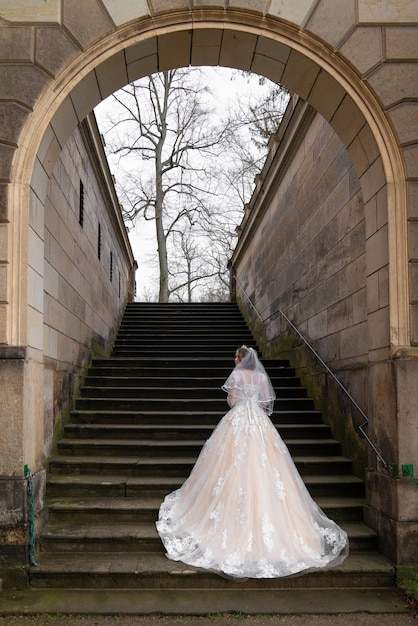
x: 312, y: 47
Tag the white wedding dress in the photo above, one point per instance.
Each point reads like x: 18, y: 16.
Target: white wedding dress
x: 244, y: 511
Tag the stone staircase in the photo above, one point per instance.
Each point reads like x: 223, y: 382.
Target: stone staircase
x: 140, y: 420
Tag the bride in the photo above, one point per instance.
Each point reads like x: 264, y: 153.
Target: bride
x: 244, y: 511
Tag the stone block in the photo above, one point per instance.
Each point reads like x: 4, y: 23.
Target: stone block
x: 300, y: 74
x: 4, y: 232
x: 40, y: 179
x: 206, y: 45
x: 413, y: 314
x: 12, y: 118
x: 174, y: 50
x: 161, y: 6
x: 369, y: 144
x: 359, y: 306
x: 142, y: 67
x: 6, y: 157
x: 35, y: 329
x: 332, y: 30
x: 394, y: 12
x: 318, y: 326
x: 363, y: 48
x: 377, y: 251
x: 87, y: 21
x: 394, y: 82
x: 407, y: 406
x: 353, y: 341
x: 3, y: 203
x: 340, y: 315
x: 405, y: 120
x: 246, y: 5
x: 273, y: 50
x: 11, y: 399
x: 326, y: 95
x: 22, y: 83
x: 348, y: 120
x: 358, y: 156
x: 32, y: 11
x: 17, y: 43
x: 237, y: 49
x: 401, y: 44
x: 111, y: 75
x: 413, y: 240
x: 295, y: 11
x: 64, y: 121
x: 413, y: 198
x: 85, y: 95
x: 270, y: 68
x: 122, y: 12
x: 379, y: 329
x: 54, y: 49
x: 3, y: 296
x: 410, y: 154
x: 373, y: 180
x: 35, y: 290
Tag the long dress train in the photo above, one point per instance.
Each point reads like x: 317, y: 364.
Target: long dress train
x: 244, y: 511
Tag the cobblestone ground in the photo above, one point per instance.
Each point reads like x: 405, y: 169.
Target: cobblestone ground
x: 357, y: 619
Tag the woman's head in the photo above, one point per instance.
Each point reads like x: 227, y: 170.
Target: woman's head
x: 240, y: 353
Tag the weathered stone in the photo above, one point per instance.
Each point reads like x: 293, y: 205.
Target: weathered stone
x: 161, y: 6
x: 300, y: 74
x: 12, y: 118
x: 122, y: 12
x: 393, y: 82
x: 111, y: 75
x: 348, y: 120
x: 6, y: 157
x: 405, y: 120
x: 410, y: 154
x: 326, y: 95
x: 363, y: 48
x: 22, y: 83
x: 295, y: 11
x: 3, y: 202
x: 174, y: 50
x: 17, y: 43
x: 87, y: 22
x: 31, y: 10
x: 237, y: 49
x: 332, y: 31
x: 54, y: 49
x: 396, y: 11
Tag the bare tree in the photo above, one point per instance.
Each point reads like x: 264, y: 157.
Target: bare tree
x: 164, y: 132
x: 190, y: 172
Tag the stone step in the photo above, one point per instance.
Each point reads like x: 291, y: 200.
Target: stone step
x: 177, y: 393
x: 120, y: 403
x: 131, y: 486
x: 177, y: 448
x: 142, y: 379
x: 361, y: 570
x: 143, y: 537
x: 180, y: 466
x: 139, y: 510
x: 183, y: 417
x: 173, y: 431
x: 168, y: 366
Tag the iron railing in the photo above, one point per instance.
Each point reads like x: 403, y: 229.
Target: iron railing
x: 327, y: 368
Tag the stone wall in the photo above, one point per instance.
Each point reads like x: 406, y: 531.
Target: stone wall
x: 307, y: 257
x: 80, y: 287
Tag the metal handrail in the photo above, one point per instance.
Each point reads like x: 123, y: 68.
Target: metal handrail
x: 328, y: 369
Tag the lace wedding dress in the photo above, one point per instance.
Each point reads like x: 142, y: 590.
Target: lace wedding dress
x: 244, y: 511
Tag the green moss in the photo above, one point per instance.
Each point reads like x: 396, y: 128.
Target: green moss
x: 407, y: 581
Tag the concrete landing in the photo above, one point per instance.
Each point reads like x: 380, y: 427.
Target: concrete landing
x: 201, y: 602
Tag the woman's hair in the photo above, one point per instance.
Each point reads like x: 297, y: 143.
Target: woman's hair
x: 241, y: 352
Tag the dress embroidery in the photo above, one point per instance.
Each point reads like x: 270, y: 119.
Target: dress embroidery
x: 244, y: 510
